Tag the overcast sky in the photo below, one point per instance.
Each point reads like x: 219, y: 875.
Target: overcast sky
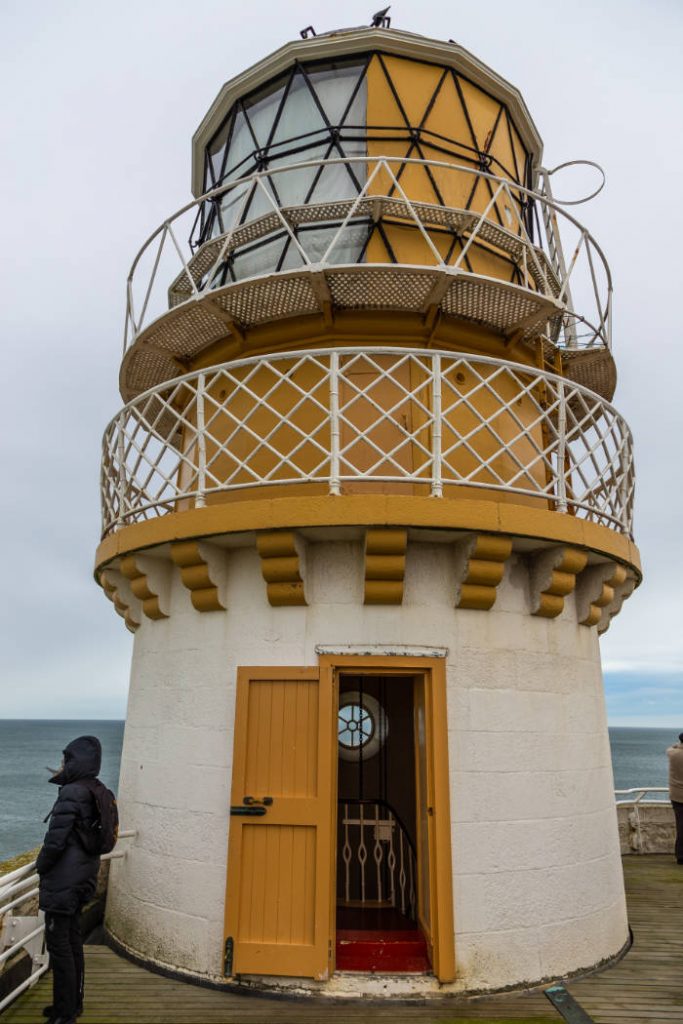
x: 99, y: 103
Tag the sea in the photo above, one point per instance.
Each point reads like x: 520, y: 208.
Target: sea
x: 29, y: 748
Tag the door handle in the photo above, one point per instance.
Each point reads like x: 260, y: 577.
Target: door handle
x: 247, y: 812
x: 252, y: 801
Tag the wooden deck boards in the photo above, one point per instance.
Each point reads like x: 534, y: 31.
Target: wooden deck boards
x: 646, y: 987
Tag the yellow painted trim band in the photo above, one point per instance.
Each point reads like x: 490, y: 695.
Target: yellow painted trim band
x: 377, y: 510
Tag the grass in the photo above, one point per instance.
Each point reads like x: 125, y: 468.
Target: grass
x: 17, y: 862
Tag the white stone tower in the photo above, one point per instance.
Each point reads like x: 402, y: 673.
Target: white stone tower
x: 367, y: 510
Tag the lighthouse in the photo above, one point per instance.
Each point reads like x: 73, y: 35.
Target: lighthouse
x: 367, y: 508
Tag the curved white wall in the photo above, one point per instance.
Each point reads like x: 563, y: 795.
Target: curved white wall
x: 538, y: 887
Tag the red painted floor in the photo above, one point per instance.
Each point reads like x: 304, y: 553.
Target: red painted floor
x: 379, y: 940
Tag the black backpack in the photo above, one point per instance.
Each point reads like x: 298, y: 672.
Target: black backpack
x: 100, y: 835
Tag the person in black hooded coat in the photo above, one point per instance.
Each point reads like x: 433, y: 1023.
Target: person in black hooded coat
x: 68, y: 875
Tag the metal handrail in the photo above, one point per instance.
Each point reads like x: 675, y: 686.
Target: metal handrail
x: 31, y: 938
x: 15, y: 878
x: 573, y: 450
x: 389, y: 807
x: 550, y: 275
x: 641, y: 790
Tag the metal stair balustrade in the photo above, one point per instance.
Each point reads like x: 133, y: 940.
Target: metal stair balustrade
x: 378, y: 858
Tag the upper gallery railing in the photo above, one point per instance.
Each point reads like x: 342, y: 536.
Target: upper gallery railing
x: 465, y: 223
x: 343, y: 418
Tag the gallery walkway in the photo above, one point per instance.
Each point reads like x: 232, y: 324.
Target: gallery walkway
x: 646, y: 987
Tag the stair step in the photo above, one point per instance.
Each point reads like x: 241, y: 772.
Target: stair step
x: 388, y: 952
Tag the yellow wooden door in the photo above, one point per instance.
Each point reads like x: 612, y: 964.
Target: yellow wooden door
x: 278, y: 907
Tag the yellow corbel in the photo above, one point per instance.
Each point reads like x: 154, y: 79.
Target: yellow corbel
x: 596, y: 591
x: 281, y: 567
x: 481, y: 565
x: 553, y: 577
x: 198, y: 574
x: 622, y: 592
x: 385, y: 566
x: 137, y: 571
x: 116, y: 588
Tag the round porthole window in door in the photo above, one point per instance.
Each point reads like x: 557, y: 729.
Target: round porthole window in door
x: 361, y: 727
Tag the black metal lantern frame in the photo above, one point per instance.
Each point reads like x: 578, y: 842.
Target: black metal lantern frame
x: 317, y: 111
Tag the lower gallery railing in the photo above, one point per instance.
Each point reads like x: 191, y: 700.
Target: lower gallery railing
x: 343, y: 419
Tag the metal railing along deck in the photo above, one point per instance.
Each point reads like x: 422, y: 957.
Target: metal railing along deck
x: 638, y: 795
x: 635, y: 798
x: 27, y: 932
x: 338, y: 417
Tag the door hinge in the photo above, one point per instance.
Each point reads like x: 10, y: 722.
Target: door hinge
x: 228, y: 954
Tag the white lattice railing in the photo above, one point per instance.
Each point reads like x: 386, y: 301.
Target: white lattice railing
x: 377, y: 863
x: 471, y: 226
x: 338, y: 417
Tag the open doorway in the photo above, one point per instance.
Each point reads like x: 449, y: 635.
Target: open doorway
x: 286, y: 871
x: 382, y: 891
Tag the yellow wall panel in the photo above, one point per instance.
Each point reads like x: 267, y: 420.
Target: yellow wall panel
x: 415, y: 84
x: 382, y: 109
x: 448, y: 119
x: 483, y: 111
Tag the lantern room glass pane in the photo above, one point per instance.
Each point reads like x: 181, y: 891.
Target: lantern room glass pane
x: 334, y: 87
x: 259, y: 259
x: 215, y: 154
x: 293, y: 186
x: 264, y: 128
x: 300, y: 114
x: 233, y: 205
x: 348, y: 247
x: 299, y: 117
x: 262, y: 111
x: 336, y: 182
x: 241, y: 148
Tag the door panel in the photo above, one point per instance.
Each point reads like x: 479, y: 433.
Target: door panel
x: 278, y: 903
x: 280, y: 907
